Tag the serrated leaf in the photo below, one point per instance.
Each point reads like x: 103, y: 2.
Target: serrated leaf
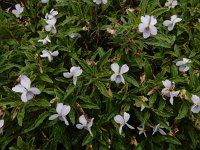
x: 37, y: 122
x: 46, y: 78
x: 104, y: 59
x: 168, y: 139
x: 87, y: 139
x: 20, y: 115
x: 102, y: 89
x: 159, y: 11
x: 131, y: 80
x: 183, y: 111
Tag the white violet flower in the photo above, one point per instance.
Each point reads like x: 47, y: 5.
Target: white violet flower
x: 1, y: 126
x: 18, y: 10
x: 62, y: 111
x: 196, y: 106
x: 49, y: 54
x: 44, y: 1
x: 171, y: 23
x: 122, y: 120
x: 51, y: 21
x: 25, y: 88
x: 169, y: 90
x: 74, y: 72
x: 183, y: 64
x: 118, y: 73
x: 100, y: 1
x: 171, y: 3
x: 45, y: 40
x: 147, y: 26
x: 85, y: 124
x: 142, y: 130
x: 144, y: 99
x: 158, y: 128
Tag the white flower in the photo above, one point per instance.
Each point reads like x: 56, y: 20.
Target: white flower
x: 45, y: 40
x: 100, y: 1
x: 144, y: 99
x: 62, y: 111
x: 25, y: 88
x: 73, y: 35
x: 158, y: 128
x: 18, y: 10
x: 85, y: 124
x: 50, y: 27
x: 147, y: 26
x: 1, y: 126
x: 44, y: 1
x: 49, y: 55
x: 171, y: 23
x: 74, y: 72
x: 51, y: 21
x: 52, y: 14
x: 123, y: 121
x: 169, y: 90
x: 196, y: 106
x: 117, y: 76
x: 183, y: 64
x: 171, y: 3
x: 142, y: 130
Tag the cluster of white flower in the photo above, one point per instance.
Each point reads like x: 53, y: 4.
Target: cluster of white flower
x: 51, y: 21
x: 147, y: 25
x: 63, y: 110
x: 122, y: 120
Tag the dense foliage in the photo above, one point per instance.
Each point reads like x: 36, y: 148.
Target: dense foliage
x: 159, y: 92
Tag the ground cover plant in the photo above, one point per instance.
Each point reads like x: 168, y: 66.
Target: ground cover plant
x: 99, y: 74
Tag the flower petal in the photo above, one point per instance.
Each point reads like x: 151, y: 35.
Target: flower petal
x: 145, y: 19
x: 67, y: 75
x: 124, y: 69
x: 74, y: 80
x: 153, y: 21
x: 167, y: 83
x: 25, y: 81
x: 80, y: 126
x: 167, y: 23
x: 83, y: 120
x: 119, y: 119
x: 128, y: 125
x: 153, y: 30
x: 146, y: 33
x: 65, y: 110
x: 195, y: 108
x: 195, y: 99
x: 35, y: 90
x: 161, y: 131
x: 1, y: 123
x: 19, y: 88
x: 126, y: 117
x: 141, y: 27
x: 55, y: 53
x: 120, y: 129
x: 59, y: 108
x: 23, y: 97
x: 184, y: 68
x: 115, y: 68
x: 29, y: 95
x: 90, y: 123
x: 113, y: 77
x: 54, y: 116
x: 65, y: 120
x: 76, y: 71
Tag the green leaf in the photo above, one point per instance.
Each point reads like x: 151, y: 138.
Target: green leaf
x: 46, y: 78
x: 159, y: 11
x: 37, y: 122
x: 131, y: 80
x: 168, y: 139
x: 20, y: 115
x: 183, y: 111
x: 152, y: 99
x: 104, y: 59
x: 87, y: 139
x: 102, y: 89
